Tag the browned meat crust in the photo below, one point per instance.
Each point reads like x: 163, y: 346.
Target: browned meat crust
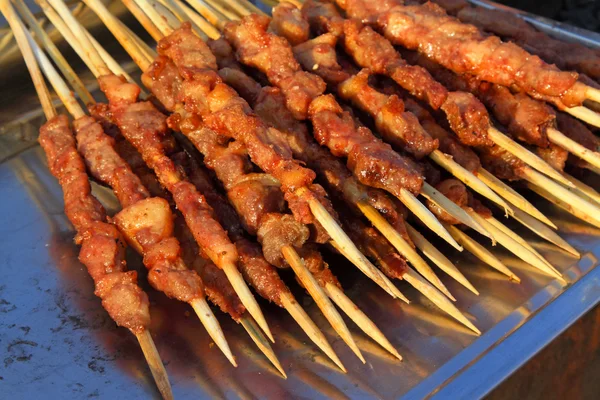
x: 102, y: 246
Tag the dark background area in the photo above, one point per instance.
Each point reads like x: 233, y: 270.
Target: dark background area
x: 582, y: 13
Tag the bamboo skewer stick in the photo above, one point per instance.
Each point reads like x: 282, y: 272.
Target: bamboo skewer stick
x: 438, y: 299
x: 545, y: 232
x: 261, y: 342
x: 402, y: 246
x: 435, y: 196
x: 213, y: 13
x: 311, y: 285
x: 565, y: 205
x: 360, y: 318
x: 201, y: 307
x: 421, y: 212
x: 467, y: 177
x: 439, y: 259
x: 583, y: 190
x: 434, y: 295
x: 308, y: 326
x: 526, y: 156
x: 233, y: 275
x: 156, y: 365
x: 30, y: 61
x: 142, y: 19
x: 560, y: 139
x: 54, y: 53
x: 203, y: 24
x: 145, y: 340
x: 523, y: 242
x: 515, y: 247
x: 238, y: 7
x: 564, y: 194
x: 481, y: 252
x: 593, y: 94
x: 584, y: 114
x: 513, y: 196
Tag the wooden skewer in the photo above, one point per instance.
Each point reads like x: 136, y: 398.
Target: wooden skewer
x: 393, y: 289
x: 145, y: 340
x: 523, y: 242
x: 155, y: 363
x: 297, y: 3
x: 203, y: 24
x: 565, y: 205
x: 86, y: 45
x: 30, y: 61
x: 513, y: 196
x: 238, y: 7
x: 146, y: 50
x: 245, y: 7
x: 360, y: 318
x: 212, y: 326
x: 584, y: 114
x: 467, y: 177
x: 445, y: 203
x: 437, y: 298
x: 593, y: 94
x: 230, y: 270
x: 113, y: 24
x: 180, y: 14
x: 329, y: 311
x: 226, y: 11
x: 308, y: 326
x: 215, y: 14
x: 199, y: 305
x: 349, y: 249
x: 243, y: 291
x: 561, y: 192
x: 481, y: 252
x: 515, y: 247
x: 439, y: 259
x: 261, y: 342
x: 593, y: 169
x: 316, y: 292
x: 402, y: 246
x: 573, y: 147
x: 545, y: 232
x: 421, y: 212
x: 54, y: 53
x: 588, y: 193
x: 162, y: 21
x: 525, y: 155
x: 143, y: 19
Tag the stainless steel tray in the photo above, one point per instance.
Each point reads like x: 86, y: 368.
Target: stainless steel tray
x: 58, y: 342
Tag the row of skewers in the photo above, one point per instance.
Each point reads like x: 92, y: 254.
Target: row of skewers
x: 267, y: 146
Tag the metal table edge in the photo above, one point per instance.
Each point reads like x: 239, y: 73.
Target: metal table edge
x: 479, y: 373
